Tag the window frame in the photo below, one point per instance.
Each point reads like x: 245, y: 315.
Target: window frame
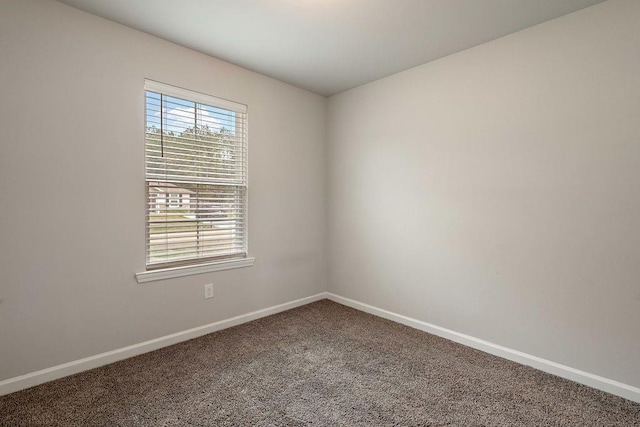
x: 195, y: 265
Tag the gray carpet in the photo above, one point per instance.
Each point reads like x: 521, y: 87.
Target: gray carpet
x: 318, y: 365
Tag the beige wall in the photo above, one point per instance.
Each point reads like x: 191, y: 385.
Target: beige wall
x: 495, y: 192
x: 72, y: 189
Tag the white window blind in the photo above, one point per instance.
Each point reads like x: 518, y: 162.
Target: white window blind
x: 196, y: 177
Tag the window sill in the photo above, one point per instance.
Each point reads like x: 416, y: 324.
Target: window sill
x: 188, y: 270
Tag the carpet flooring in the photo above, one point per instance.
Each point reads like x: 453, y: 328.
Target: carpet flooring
x: 318, y: 365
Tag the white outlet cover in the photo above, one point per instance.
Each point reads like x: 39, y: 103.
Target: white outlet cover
x: 208, y: 291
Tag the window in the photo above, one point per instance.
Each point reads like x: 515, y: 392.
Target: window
x: 173, y: 200
x: 196, y: 177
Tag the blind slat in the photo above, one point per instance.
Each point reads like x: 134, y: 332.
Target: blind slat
x: 193, y: 144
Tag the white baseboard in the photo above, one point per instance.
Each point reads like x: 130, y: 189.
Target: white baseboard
x: 591, y: 380
x: 34, y: 378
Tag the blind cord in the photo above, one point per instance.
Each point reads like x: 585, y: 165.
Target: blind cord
x: 161, y: 126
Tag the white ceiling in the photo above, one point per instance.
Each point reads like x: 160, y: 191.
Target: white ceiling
x: 328, y: 46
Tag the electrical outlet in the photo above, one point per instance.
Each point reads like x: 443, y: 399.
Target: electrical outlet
x: 208, y: 291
